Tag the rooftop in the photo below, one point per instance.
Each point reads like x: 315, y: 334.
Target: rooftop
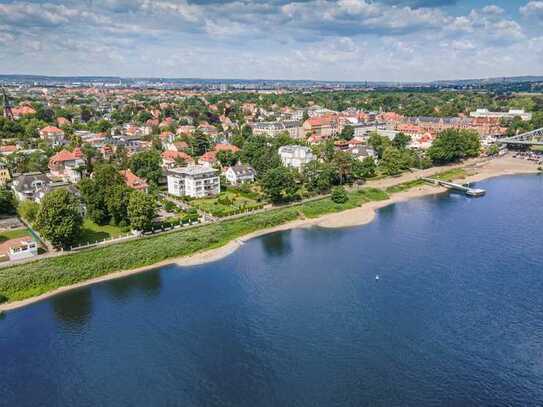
x: 193, y: 170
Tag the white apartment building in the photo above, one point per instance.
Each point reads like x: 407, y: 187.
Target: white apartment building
x: 512, y: 113
x: 196, y: 181
x: 295, y: 156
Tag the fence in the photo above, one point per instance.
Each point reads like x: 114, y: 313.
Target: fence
x: 133, y: 236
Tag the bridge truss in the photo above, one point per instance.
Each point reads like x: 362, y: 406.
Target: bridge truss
x: 532, y: 138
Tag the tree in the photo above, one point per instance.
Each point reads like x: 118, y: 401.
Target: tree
x: 7, y: 202
x: 262, y: 156
x: 141, y: 210
x: 401, y: 141
x: 147, y: 164
x: 227, y: 158
x: 378, y: 143
x: 453, y: 145
x: 364, y: 169
x: 28, y: 210
x: 96, y: 190
x: 280, y: 184
x: 339, y: 195
x: 116, y: 202
x: 391, y: 163
x: 59, y: 219
x: 343, y: 165
x: 199, y: 143
x: 347, y: 133
x: 318, y: 176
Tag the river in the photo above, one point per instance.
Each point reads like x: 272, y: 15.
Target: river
x: 298, y: 318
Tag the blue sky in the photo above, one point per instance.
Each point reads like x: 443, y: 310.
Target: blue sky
x: 393, y: 40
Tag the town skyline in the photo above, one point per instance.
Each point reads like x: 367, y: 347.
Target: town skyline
x: 319, y: 40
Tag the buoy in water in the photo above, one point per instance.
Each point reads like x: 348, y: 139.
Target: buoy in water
x: 377, y: 277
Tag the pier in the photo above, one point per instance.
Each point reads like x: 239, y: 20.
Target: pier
x: 474, y: 192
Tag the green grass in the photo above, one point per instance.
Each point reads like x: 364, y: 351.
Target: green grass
x: 41, y: 276
x: 404, y: 186
x: 14, y: 234
x: 315, y: 209
x: 91, y: 232
x: 449, y: 175
x: 216, y: 208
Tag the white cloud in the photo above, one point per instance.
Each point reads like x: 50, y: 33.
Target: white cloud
x: 532, y: 9
x: 321, y: 39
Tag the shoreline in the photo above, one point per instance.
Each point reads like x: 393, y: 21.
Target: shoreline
x: 360, y: 216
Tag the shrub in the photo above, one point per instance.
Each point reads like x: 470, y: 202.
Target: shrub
x: 339, y: 195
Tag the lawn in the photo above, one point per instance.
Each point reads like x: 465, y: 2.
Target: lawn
x: 227, y: 203
x: 320, y: 207
x: 14, y: 234
x: 91, y: 232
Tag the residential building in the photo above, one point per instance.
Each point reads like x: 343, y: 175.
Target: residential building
x: 8, y: 149
x: 295, y: 156
x: 27, y: 186
x: 240, y: 174
x: 22, y: 111
x: 53, y: 135
x: 24, y: 248
x: 196, y: 181
x: 133, y: 181
x: 511, y: 114
x: 171, y: 159
x: 208, y: 129
x: 68, y: 165
x: 273, y: 129
x: 324, y: 126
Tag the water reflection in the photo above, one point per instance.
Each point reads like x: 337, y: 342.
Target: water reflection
x: 73, y: 307
x: 277, y: 244
x: 147, y: 284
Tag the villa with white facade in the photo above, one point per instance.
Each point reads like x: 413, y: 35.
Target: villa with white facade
x: 196, y: 181
x: 295, y: 156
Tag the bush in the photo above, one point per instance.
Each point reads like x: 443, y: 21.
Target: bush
x: 28, y: 210
x: 3, y: 298
x: 339, y: 195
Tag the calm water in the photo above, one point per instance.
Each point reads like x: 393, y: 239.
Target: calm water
x: 299, y: 319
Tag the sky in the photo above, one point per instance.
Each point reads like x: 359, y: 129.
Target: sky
x: 354, y: 40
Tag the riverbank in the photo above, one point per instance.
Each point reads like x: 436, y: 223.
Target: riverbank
x: 216, y: 242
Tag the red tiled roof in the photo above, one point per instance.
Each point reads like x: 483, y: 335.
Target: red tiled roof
x: 8, y: 149
x: 226, y: 147
x: 51, y: 129
x: 173, y: 155
x: 66, y: 155
x: 321, y: 120
x: 210, y: 156
x: 133, y: 181
x: 23, y: 111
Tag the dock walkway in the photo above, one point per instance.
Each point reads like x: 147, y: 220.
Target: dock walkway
x: 474, y: 192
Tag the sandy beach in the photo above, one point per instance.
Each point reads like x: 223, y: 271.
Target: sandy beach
x: 354, y: 217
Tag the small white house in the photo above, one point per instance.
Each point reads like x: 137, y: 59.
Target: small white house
x: 196, y: 181
x: 23, y: 249
x: 295, y: 156
x: 240, y: 174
